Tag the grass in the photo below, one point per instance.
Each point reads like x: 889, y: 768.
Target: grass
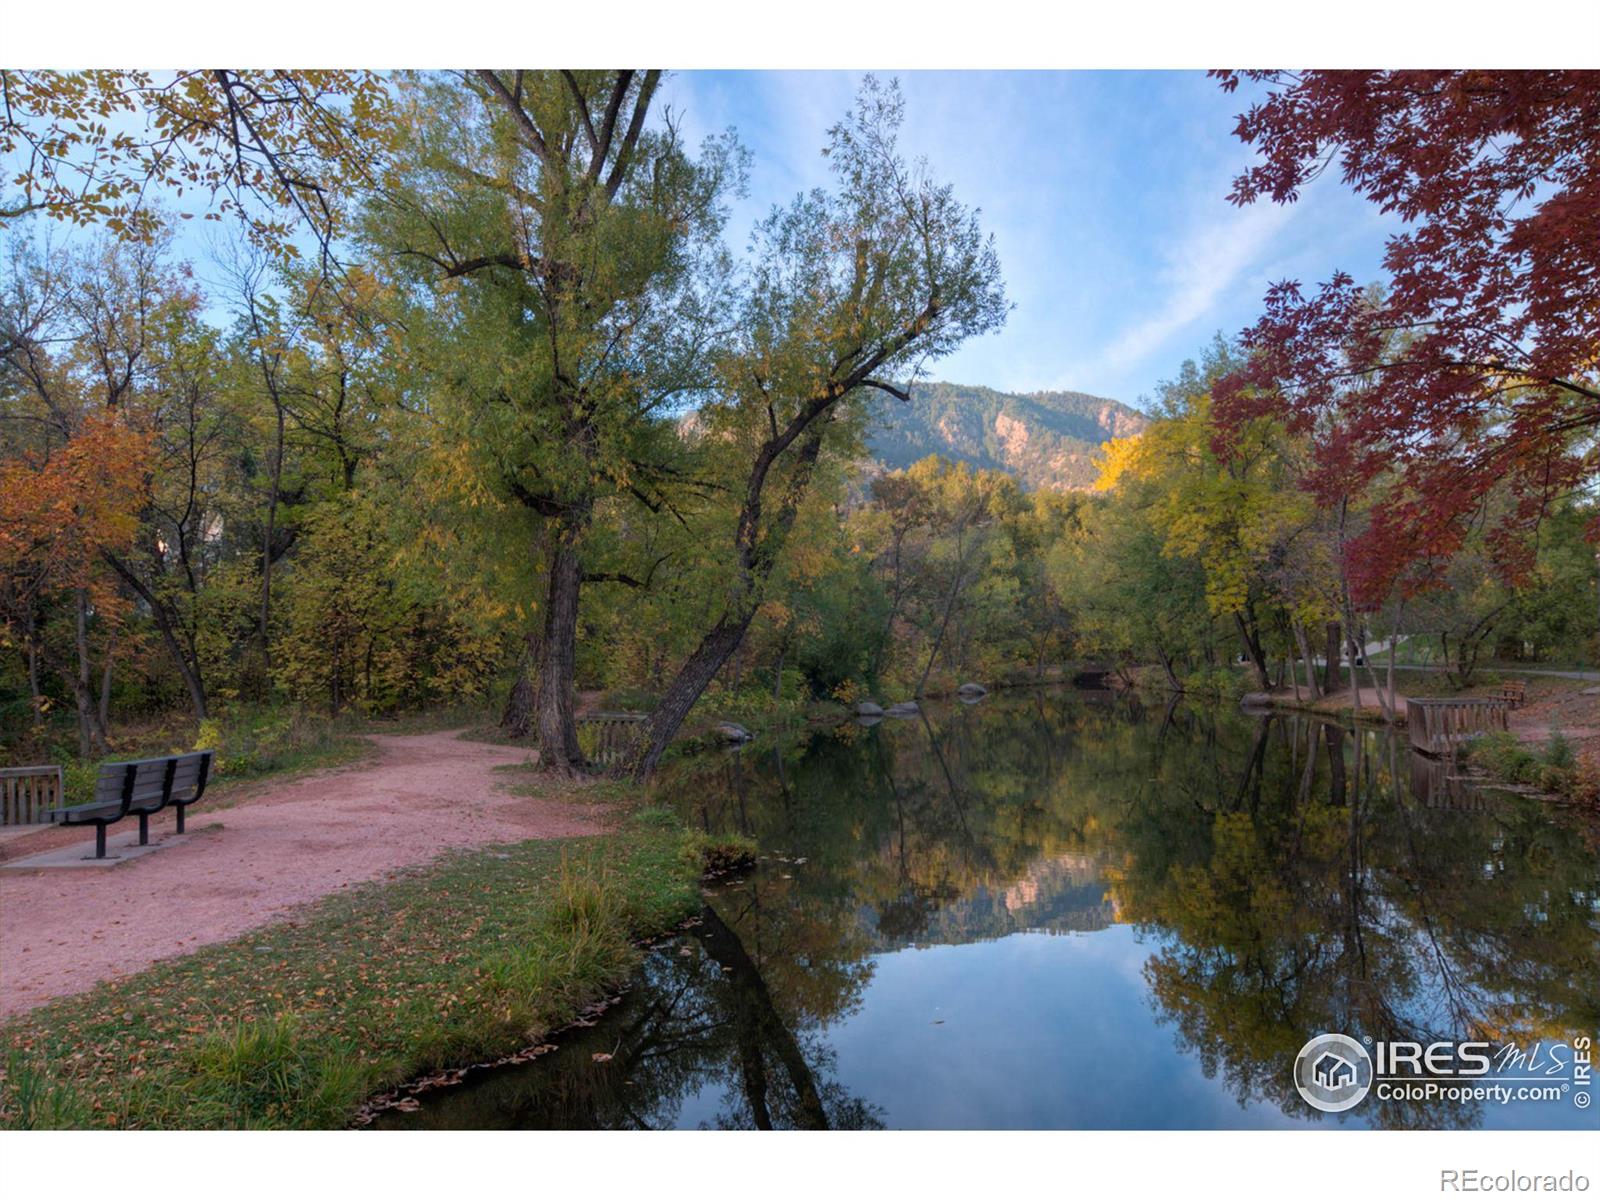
x: 1555, y: 769
x: 296, y: 1024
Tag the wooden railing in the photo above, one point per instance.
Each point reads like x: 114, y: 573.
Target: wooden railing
x: 1437, y: 727
x: 27, y: 793
x: 606, y: 739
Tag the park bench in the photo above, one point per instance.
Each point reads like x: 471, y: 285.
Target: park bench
x: 1514, y: 693
x: 141, y: 788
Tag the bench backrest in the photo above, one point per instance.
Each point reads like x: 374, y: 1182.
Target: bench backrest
x: 184, y: 774
x: 190, y: 775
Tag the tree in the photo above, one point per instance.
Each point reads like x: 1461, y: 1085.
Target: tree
x: 62, y: 511
x: 562, y: 245
x: 1478, y: 363
x: 850, y: 288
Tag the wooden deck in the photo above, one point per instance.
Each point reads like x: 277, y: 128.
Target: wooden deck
x: 1437, y: 727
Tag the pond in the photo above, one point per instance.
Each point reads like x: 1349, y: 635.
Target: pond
x: 1060, y: 909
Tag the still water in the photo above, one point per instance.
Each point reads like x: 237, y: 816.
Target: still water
x: 1065, y: 910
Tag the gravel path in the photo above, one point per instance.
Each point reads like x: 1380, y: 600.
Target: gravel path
x: 246, y: 865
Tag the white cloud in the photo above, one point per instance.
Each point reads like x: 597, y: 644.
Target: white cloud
x: 1196, y: 275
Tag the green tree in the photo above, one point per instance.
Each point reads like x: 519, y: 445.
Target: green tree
x: 850, y: 288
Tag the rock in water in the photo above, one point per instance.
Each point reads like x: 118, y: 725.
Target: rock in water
x: 906, y: 708
x: 868, y: 709
x: 732, y: 731
x: 972, y: 691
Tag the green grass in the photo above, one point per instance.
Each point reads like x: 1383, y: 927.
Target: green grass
x: 1554, y: 769
x: 293, y: 1026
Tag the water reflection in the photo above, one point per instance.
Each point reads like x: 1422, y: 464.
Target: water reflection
x: 1064, y: 910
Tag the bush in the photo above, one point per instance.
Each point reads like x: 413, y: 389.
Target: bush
x: 1554, y: 770
x: 1503, y: 756
x: 718, y: 855
x: 1558, y: 750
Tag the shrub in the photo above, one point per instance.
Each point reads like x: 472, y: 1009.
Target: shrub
x: 718, y: 855
x: 1558, y: 750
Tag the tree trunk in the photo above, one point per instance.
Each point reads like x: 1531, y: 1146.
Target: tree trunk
x: 264, y: 616
x: 756, y: 556
x: 91, y: 733
x: 1303, y: 645
x: 187, y: 668
x: 1330, y: 668
x: 944, y: 623
x: 1166, y: 667
x: 1253, y: 651
x: 686, y: 687
x: 558, y: 732
x: 517, y: 719
x: 105, y: 684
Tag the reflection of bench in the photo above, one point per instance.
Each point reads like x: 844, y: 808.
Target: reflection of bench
x: 1514, y: 693
x: 142, y: 789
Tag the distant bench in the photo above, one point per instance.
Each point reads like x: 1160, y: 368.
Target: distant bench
x: 1514, y: 692
x: 142, y: 788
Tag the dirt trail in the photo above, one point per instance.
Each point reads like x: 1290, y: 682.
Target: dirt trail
x: 243, y: 866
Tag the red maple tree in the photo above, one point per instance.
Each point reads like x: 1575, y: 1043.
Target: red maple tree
x: 1477, y: 364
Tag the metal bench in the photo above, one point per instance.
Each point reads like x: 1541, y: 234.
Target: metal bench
x: 141, y: 788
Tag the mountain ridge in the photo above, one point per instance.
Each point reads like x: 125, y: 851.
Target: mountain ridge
x: 1047, y: 438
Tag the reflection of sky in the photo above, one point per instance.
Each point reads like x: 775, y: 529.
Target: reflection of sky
x: 1046, y: 1032
x: 1039, y: 1032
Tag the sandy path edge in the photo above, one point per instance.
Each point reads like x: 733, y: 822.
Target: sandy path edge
x: 276, y: 848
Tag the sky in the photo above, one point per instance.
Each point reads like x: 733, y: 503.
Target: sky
x: 1106, y: 192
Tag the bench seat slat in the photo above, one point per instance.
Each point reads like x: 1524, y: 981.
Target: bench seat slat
x: 82, y: 812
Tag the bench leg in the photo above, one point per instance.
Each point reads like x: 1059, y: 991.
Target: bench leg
x: 99, y: 841
x: 180, y: 809
x: 144, y: 829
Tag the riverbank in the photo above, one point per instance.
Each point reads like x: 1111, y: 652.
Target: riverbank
x: 295, y: 1024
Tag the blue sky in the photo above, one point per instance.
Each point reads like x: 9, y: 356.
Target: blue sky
x: 1106, y: 193
x: 1105, y: 190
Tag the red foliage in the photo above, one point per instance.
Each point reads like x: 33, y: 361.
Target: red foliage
x: 1479, y: 363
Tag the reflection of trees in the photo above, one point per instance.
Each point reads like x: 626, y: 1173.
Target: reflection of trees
x: 695, y: 1020
x: 1292, y: 878
x: 1352, y: 907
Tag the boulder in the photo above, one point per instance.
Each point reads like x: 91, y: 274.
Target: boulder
x: 1256, y: 700
x: 906, y: 708
x: 972, y: 691
x: 868, y: 709
x: 732, y: 731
